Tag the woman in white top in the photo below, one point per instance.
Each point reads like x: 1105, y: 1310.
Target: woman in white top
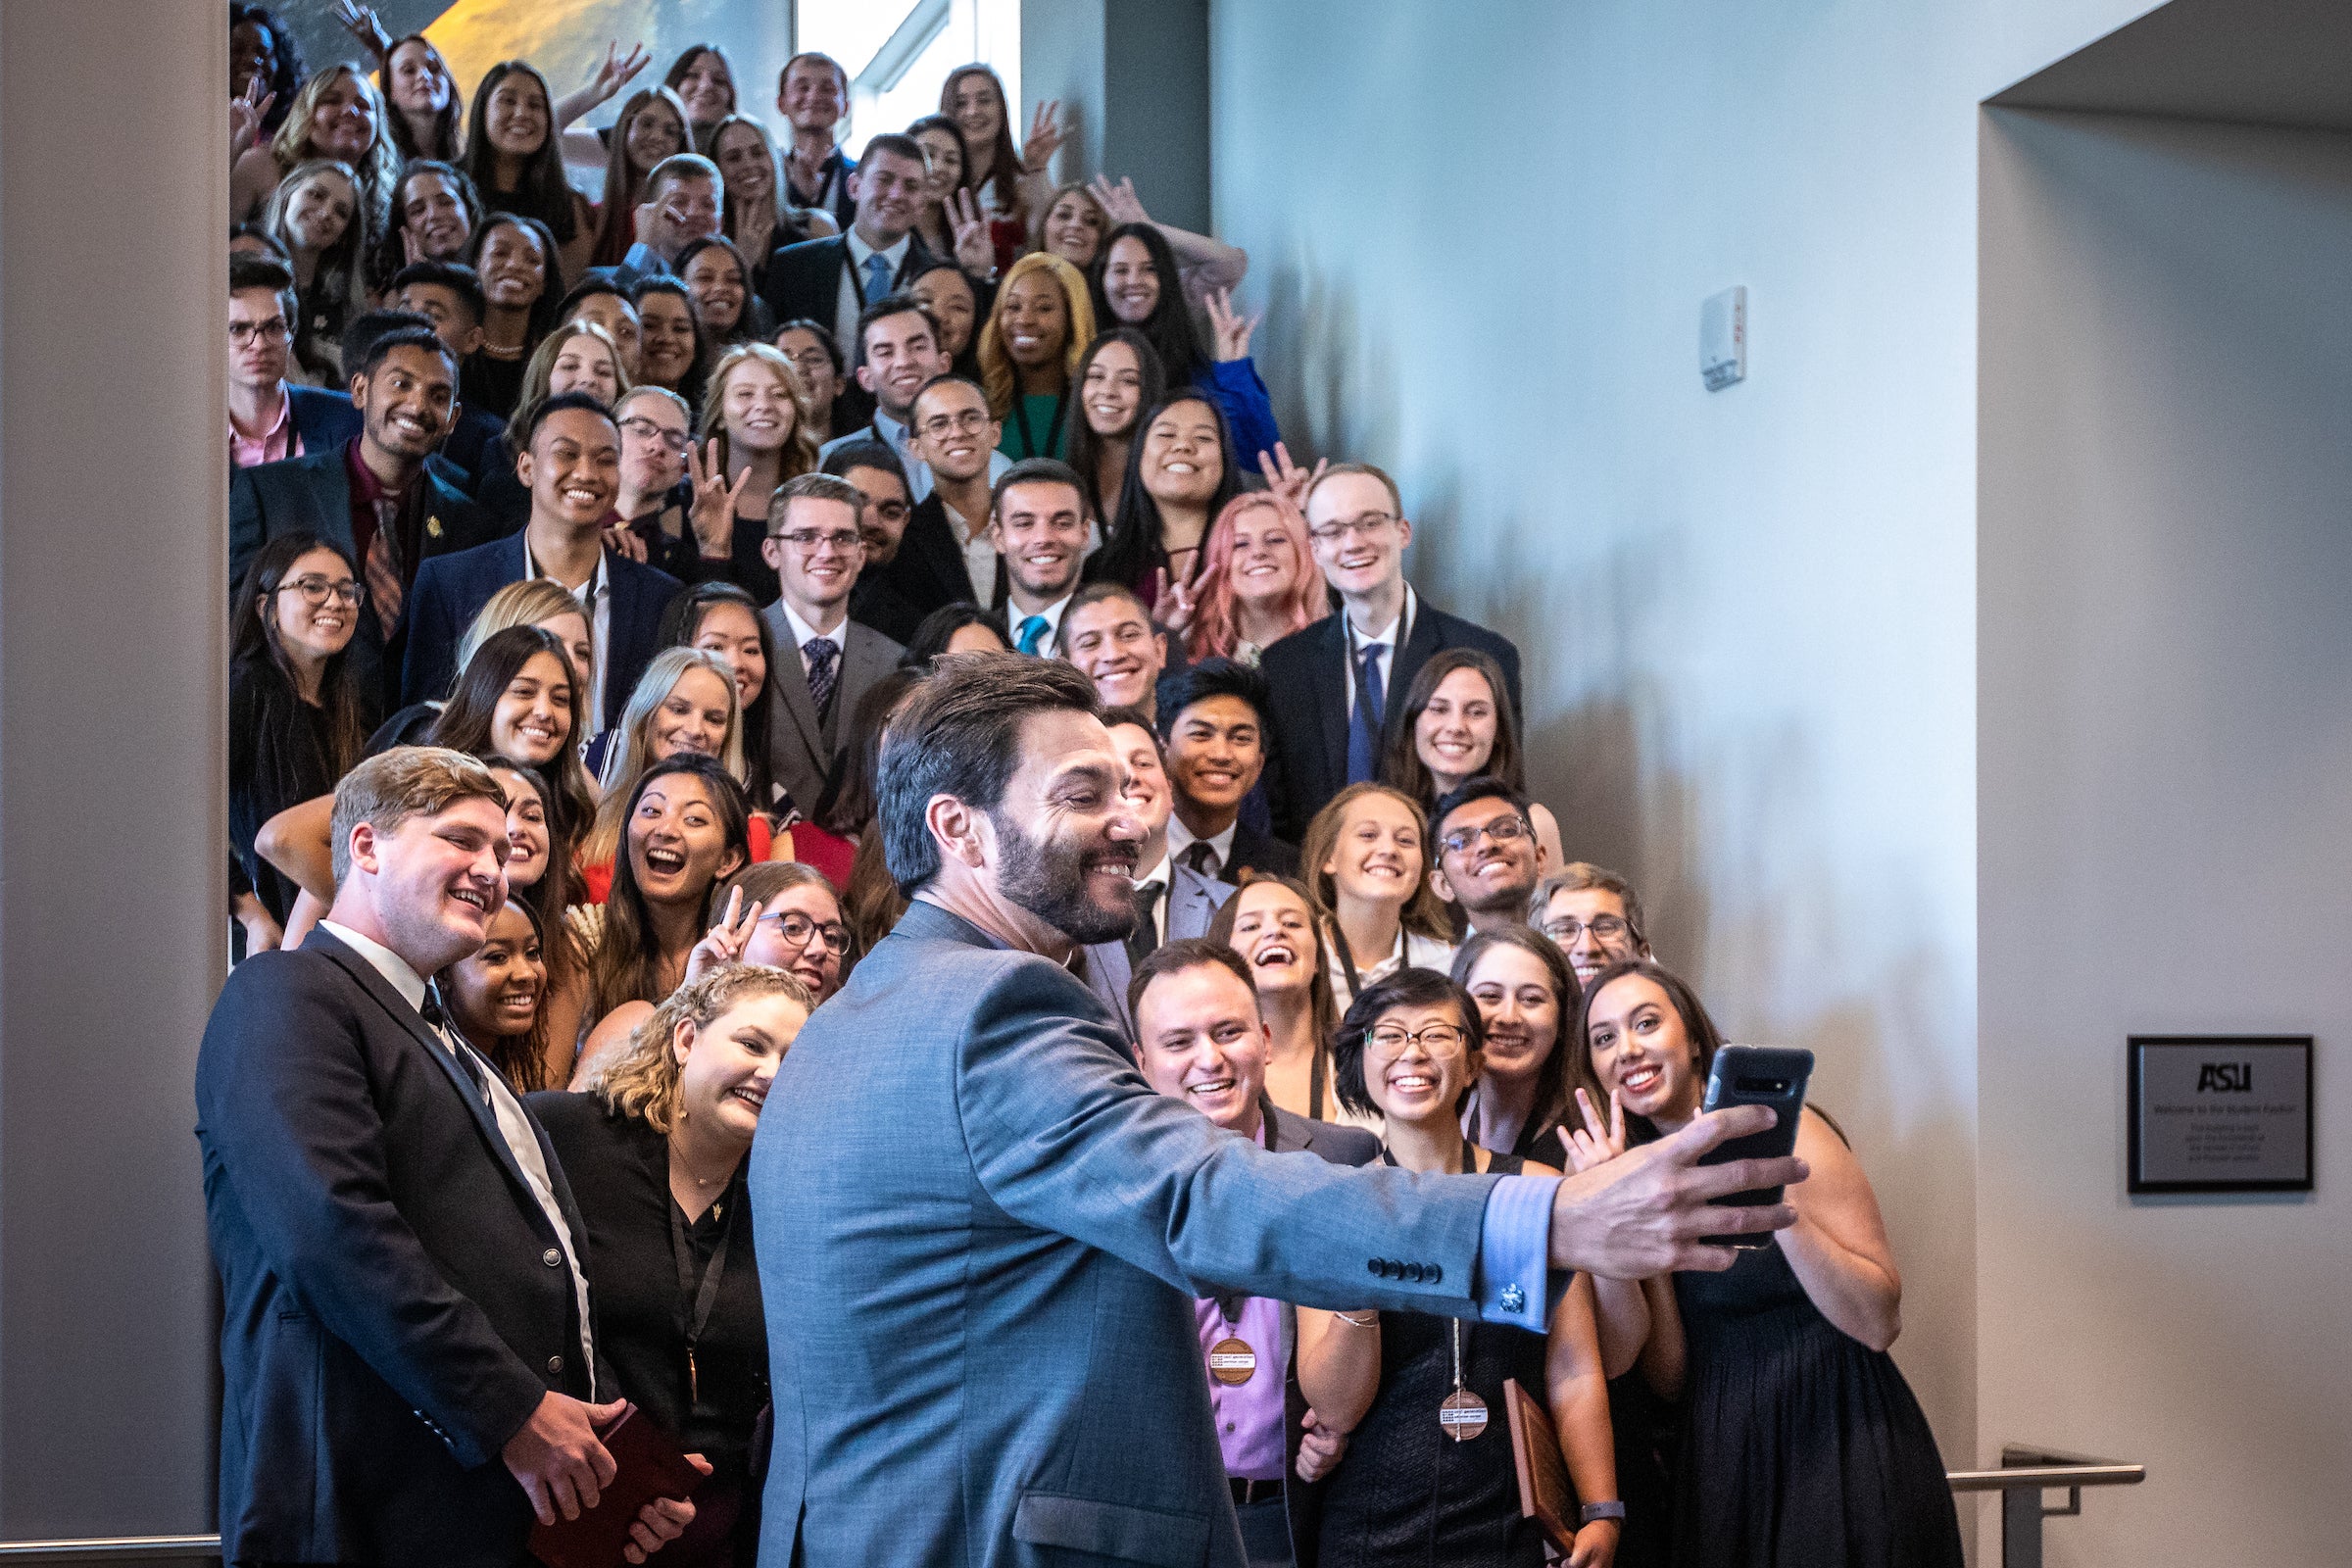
x: 1366, y: 859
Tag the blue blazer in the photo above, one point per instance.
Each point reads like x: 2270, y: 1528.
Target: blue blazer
x: 322, y: 416
x: 451, y: 591
x: 391, y: 1315
x: 1307, y: 671
x: 980, y: 1235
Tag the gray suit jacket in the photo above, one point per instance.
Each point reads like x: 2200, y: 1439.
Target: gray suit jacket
x: 980, y: 1232
x: 805, y: 755
x: 1193, y: 901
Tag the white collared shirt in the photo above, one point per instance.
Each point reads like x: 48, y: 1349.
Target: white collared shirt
x: 514, y: 1125
x: 803, y: 632
x: 895, y: 437
x: 979, y: 553
x: 848, y: 302
x: 1158, y: 873
x: 1388, y: 639
x: 1014, y: 615
x: 596, y: 597
x: 1220, y: 845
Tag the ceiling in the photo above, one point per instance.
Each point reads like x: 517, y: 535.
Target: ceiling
x: 2255, y: 61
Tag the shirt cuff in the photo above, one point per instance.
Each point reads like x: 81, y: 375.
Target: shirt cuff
x: 1514, y: 1284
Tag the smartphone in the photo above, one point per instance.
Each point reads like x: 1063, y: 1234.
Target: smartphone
x: 1756, y: 1075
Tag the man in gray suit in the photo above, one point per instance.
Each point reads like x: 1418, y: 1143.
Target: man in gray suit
x: 981, y: 1231
x: 825, y: 660
x: 1172, y: 902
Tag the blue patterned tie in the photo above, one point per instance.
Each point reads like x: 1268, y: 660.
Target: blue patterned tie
x: 1032, y: 635
x: 877, y: 276
x: 821, y: 654
x: 1363, y: 721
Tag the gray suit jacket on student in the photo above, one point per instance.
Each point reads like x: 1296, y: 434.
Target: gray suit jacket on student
x: 804, y: 755
x: 1193, y: 901
x: 979, y: 1236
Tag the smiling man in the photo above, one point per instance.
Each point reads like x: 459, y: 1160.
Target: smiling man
x: 954, y: 1327
x: 570, y: 465
x: 1593, y: 916
x: 830, y: 279
x: 408, y: 1368
x: 685, y: 198
x: 1036, y: 521
x: 1489, y: 858
x: 1108, y: 633
x: 898, y: 356
x: 1214, y: 726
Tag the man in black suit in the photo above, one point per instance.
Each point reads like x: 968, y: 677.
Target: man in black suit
x: 874, y: 468
x: 1339, y: 685
x: 372, y: 496
x: 449, y: 296
x: 1212, y: 716
x: 948, y: 555
x: 570, y: 465
x: 407, y: 1353
x: 1201, y: 1043
x: 829, y: 280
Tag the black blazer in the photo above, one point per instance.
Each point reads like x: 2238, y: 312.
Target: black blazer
x: 322, y: 416
x: 1259, y: 852
x: 451, y: 591
x: 805, y: 279
x: 396, y: 1302
x: 1307, y: 763
x: 620, y: 1168
x: 927, y: 572
x: 311, y: 494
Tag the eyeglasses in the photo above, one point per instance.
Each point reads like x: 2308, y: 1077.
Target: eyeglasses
x: 1438, y: 1038
x: 1363, y: 527
x: 971, y: 421
x: 315, y: 590
x: 645, y: 429
x: 798, y: 930
x: 1604, y: 928
x: 808, y: 542
x: 273, y: 330
x: 1502, y: 830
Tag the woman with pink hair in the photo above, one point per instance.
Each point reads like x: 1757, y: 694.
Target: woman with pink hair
x: 1258, y: 581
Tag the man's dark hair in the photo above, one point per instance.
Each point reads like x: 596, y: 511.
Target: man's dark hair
x: 898, y: 146
x: 556, y: 405
x: 845, y: 460
x: 1116, y: 716
x: 897, y: 303
x: 826, y: 59
x: 1478, y: 787
x: 1029, y: 470
x: 370, y: 340
x: 261, y: 272
x: 944, y: 378
x: 959, y: 734
x: 456, y: 277
x: 1180, y: 955
x: 1094, y: 593
x: 1214, y: 678
x: 1405, y: 988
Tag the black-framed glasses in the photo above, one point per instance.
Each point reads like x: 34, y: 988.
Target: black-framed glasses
x: 798, y: 931
x: 1438, y: 1038
x: 273, y: 330
x: 1502, y: 830
x: 316, y: 590
x: 645, y: 429
x: 1604, y: 928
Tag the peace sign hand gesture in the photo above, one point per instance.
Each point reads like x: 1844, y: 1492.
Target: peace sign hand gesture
x: 1172, y: 604
x: 1119, y: 202
x: 617, y: 71
x: 975, y: 252
x: 726, y: 940
x: 1595, y: 1143
x: 1044, y: 137
x: 1285, y: 478
x: 1232, y: 328
x: 711, y: 515
x: 246, y: 114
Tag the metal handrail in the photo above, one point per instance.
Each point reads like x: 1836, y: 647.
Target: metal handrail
x: 109, y: 1548
x: 2025, y: 1474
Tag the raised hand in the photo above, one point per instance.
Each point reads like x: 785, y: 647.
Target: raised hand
x: 1119, y: 202
x: 975, y: 252
x: 1647, y: 1211
x: 1045, y: 136
x: 618, y: 69
x: 1320, y: 1449
x: 1172, y: 604
x: 1285, y: 478
x: 362, y: 24
x: 246, y: 112
x: 711, y: 515
x: 726, y: 940
x: 1231, y: 329
x: 1599, y: 1142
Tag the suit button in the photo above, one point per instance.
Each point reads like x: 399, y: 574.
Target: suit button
x: 1434, y: 1273
x: 555, y: 1366
x: 1372, y: 1266
x: 552, y: 1257
x: 1391, y: 1269
x: 1412, y: 1272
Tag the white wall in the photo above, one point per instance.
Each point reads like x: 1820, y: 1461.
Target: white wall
x: 1748, y: 617
x: 2164, y: 659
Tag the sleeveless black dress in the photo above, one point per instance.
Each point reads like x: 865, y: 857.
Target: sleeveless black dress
x: 1800, y: 1447
x: 1405, y: 1493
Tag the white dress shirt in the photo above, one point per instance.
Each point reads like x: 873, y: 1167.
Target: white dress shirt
x: 1388, y: 639
x: 847, y: 300
x: 895, y: 437
x: 801, y: 632
x: 513, y: 1124
x: 595, y: 598
x: 1220, y: 845
x: 1413, y: 951
x: 1014, y: 615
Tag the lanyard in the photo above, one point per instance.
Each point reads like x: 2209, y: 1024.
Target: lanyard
x: 1355, y: 984
x: 704, y: 1295
x: 1020, y: 417
x: 1462, y: 1415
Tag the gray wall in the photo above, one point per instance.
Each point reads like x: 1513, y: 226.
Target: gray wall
x: 2164, y: 659
x: 113, y: 552
x: 1132, y: 76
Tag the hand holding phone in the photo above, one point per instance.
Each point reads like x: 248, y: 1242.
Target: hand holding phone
x: 1772, y: 1076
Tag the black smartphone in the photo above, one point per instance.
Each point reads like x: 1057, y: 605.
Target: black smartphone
x: 1757, y: 1075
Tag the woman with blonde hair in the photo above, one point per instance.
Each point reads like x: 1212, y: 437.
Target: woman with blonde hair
x: 758, y: 218
x: 754, y: 434
x: 654, y: 1151
x: 1366, y: 860
x: 316, y: 213
x: 338, y: 117
x: 1030, y: 346
x: 652, y: 126
x: 684, y: 703
x: 1258, y: 579
x: 1073, y: 224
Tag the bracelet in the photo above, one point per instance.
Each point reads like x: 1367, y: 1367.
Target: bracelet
x: 1595, y: 1512
x: 1371, y: 1322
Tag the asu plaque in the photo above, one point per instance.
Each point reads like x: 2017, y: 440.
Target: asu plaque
x: 2219, y: 1113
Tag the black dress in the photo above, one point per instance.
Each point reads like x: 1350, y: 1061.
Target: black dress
x: 1800, y: 1447
x: 618, y: 1167
x: 277, y: 757
x: 1406, y: 1493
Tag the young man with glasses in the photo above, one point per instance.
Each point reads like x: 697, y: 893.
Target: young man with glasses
x: 948, y: 555
x: 1592, y: 915
x: 656, y: 499
x: 270, y: 420
x: 1338, y: 685
x: 816, y: 549
x: 1487, y: 855
x: 897, y: 356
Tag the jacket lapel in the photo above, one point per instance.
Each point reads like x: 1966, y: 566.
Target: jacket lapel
x: 1333, y: 709
x: 1109, y: 970
x: 1419, y: 648
x: 330, y: 501
x: 791, y: 686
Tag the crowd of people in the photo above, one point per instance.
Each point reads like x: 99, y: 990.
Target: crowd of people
x: 592, y: 560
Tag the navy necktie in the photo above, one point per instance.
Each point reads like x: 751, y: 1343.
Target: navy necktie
x: 822, y: 672
x: 877, y: 276
x: 1364, y: 720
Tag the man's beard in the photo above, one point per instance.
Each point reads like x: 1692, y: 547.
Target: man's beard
x: 1048, y: 880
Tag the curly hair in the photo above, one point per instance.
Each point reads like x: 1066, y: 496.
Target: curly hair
x: 378, y: 168
x: 644, y: 1081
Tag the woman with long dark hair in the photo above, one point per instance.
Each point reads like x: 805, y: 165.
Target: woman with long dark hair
x: 263, y: 62
x: 946, y: 290
x: 1008, y: 184
x: 718, y: 279
x: 1526, y: 996
x: 418, y: 87
x: 1180, y: 475
x: 1029, y: 350
x: 514, y: 158
x: 1136, y: 283
x: 1457, y: 724
x: 497, y: 996
x: 1119, y: 378
x: 705, y: 84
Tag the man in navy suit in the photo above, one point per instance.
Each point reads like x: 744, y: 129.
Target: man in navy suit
x: 372, y: 495
x: 572, y: 466
x: 829, y: 280
x: 1339, y: 686
x: 1212, y: 717
x: 982, y: 1234
x: 408, y: 1354
x: 1172, y: 903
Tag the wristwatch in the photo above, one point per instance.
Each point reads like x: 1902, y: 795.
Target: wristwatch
x: 1594, y: 1511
